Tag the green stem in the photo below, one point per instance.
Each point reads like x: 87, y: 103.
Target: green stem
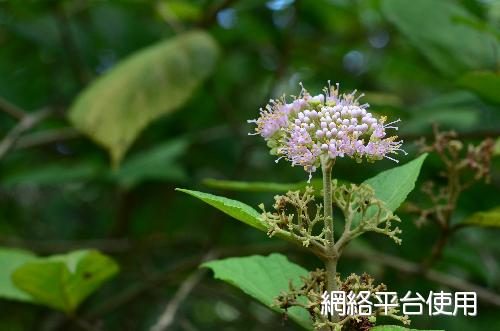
x: 331, y: 252
x: 326, y: 167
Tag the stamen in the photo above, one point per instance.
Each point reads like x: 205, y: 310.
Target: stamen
x: 390, y: 158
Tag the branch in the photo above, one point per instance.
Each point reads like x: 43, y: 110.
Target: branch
x: 12, y: 109
x: 46, y: 137
x: 136, y: 290
x: 187, y: 325
x: 27, y: 122
x: 432, y: 275
x: 167, y: 317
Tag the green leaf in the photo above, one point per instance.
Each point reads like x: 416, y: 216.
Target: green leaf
x: 152, y: 82
x: 393, y: 186
x: 262, y: 186
x: 486, y: 84
x: 263, y: 278
x: 455, y: 110
x: 496, y: 148
x: 10, y: 260
x: 62, y: 282
x: 241, y: 186
x: 181, y: 10
x: 238, y: 210
x: 395, y: 328
x: 460, y: 118
x: 157, y: 163
x: 52, y: 174
x: 436, y: 28
x: 234, y: 208
x: 490, y: 218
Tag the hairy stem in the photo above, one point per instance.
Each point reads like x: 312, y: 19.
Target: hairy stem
x: 326, y: 166
x: 331, y: 251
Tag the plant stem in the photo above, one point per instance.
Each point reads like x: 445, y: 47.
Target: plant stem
x: 326, y: 166
x: 331, y: 251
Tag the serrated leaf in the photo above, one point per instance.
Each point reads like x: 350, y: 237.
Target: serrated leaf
x: 10, y: 260
x: 393, y: 186
x: 396, y: 328
x: 436, y: 28
x: 490, y: 218
x: 486, y: 84
x: 234, y: 208
x: 62, y: 282
x: 156, y: 163
x: 263, y: 278
x: 152, y: 82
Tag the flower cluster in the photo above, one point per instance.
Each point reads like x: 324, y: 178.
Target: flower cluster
x: 330, y: 124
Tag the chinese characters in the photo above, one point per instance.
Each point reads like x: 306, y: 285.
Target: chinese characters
x: 363, y: 303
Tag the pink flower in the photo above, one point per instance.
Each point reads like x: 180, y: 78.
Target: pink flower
x: 331, y: 124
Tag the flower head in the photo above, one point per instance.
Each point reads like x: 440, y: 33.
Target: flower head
x: 331, y: 125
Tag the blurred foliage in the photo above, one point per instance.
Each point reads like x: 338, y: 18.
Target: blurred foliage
x: 77, y: 76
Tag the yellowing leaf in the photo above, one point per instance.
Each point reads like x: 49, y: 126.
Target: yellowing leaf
x: 150, y: 83
x: 490, y: 218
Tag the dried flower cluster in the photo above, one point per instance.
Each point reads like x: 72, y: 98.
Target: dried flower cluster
x: 296, y: 216
x: 330, y: 124
x: 462, y: 170
x: 450, y: 150
x: 363, y: 212
x: 312, y: 288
